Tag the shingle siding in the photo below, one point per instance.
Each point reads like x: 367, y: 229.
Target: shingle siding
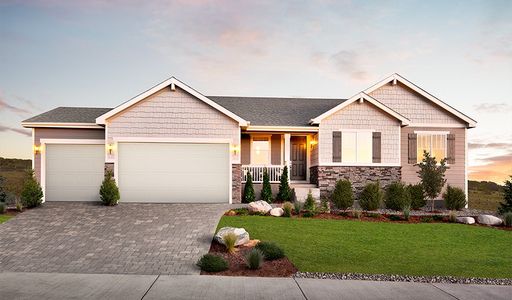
x: 361, y: 116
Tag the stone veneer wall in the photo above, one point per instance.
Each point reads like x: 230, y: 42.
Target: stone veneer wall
x: 236, y: 179
x: 359, y: 176
x: 109, y: 167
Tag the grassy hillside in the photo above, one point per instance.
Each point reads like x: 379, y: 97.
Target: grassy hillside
x: 14, y: 171
x: 484, y: 195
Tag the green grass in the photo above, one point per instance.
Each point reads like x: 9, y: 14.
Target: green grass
x: 4, y: 218
x: 486, y: 200
x: 315, y: 245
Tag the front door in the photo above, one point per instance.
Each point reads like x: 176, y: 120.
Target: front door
x: 298, y: 156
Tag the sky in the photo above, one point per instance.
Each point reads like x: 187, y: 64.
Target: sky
x: 100, y: 53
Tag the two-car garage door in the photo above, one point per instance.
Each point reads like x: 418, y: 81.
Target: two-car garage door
x: 147, y: 172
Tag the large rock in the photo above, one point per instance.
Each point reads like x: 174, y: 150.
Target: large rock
x: 276, y: 212
x: 259, y: 206
x: 489, y: 220
x: 242, y: 236
x: 466, y: 220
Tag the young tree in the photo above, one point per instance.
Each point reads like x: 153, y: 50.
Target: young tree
x: 285, y: 193
x: 32, y: 193
x: 431, y: 174
x: 506, y: 206
x: 266, y: 190
x: 249, y: 195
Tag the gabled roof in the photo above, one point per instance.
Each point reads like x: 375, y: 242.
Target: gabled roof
x: 396, y: 77
x: 361, y: 97
x: 266, y: 111
x: 173, y: 82
x: 81, y: 117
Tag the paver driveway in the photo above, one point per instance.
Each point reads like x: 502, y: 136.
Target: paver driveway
x: 126, y: 239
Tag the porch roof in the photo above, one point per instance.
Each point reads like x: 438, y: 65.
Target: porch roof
x: 268, y: 111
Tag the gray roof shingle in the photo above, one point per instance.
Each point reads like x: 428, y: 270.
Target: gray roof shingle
x: 69, y: 115
x: 266, y: 111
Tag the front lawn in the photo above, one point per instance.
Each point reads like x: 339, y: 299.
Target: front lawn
x: 315, y: 245
x: 4, y: 218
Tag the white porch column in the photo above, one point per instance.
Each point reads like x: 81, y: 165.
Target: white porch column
x: 287, y: 160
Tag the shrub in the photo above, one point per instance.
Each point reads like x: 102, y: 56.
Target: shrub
x: 270, y: 250
x: 356, y: 213
x: 31, y: 194
x: 454, y: 198
x: 426, y: 219
x: 342, y: 196
x: 109, y: 192
x: 432, y: 176
x: 407, y: 212
x: 285, y: 193
x: 212, y: 263
x: 249, y: 195
x: 297, y: 206
x: 452, y: 217
x: 507, y: 219
x: 324, y: 206
x: 506, y: 206
x: 394, y: 218
x: 254, y: 259
x: 396, y: 196
x: 242, y: 211
x: 266, y: 190
x: 3, y: 193
x: 230, y: 241
x: 308, y: 214
x: 437, y: 218
x: 2, y: 207
x: 417, y: 196
x: 287, y: 208
x: 309, y: 204
x: 373, y: 215
x: 371, y: 196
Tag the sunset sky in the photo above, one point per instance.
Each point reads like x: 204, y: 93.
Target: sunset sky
x: 100, y: 53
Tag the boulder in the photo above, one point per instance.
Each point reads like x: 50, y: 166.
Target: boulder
x: 242, y: 236
x: 489, y: 220
x: 276, y: 212
x: 466, y: 220
x: 259, y: 206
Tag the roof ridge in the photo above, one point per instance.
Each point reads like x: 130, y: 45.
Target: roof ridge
x: 279, y: 97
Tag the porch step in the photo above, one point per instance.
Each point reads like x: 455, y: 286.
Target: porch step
x: 301, y: 191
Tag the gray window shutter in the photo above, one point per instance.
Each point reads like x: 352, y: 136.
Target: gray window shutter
x: 413, y: 148
x: 336, y: 146
x: 451, y: 149
x: 376, y: 147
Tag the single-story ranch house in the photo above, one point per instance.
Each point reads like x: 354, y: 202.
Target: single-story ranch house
x: 173, y: 144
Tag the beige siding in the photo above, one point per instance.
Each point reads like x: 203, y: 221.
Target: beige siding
x: 361, y: 116
x: 455, y: 175
x: 246, y: 149
x: 412, y: 105
x: 314, y: 152
x: 62, y: 133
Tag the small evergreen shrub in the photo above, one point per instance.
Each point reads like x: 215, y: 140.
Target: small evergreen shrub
x: 454, y: 198
x: 31, y: 194
x: 230, y: 241
x: 254, y: 259
x: 394, y: 218
x: 310, y: 204
x: 417, y: 195
x: 426, y: 219
x: 342, y: 196
x: 285, y: 193
x: 212, y: 263
x: 266, y: 190
x: 396, y: 196
x: 297, y: 207
x: 109, y: 192
x: 249, y: 195
x: 287, y: 208
x: 270, y: 250
x: 324, y: 206
x: 308, y: 214
x: 407, y: 212
x: 3, y: 193
x: 371, y: 196
x: 506, y: 205
x: 507, y: 219
x: 2, y: 207
x: 452, y: 217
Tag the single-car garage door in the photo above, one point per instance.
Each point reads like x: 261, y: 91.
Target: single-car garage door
x: 174, y: 172
x: 73, y: 172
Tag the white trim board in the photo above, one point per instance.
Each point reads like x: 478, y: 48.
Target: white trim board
x: 282, y: 128
x: 396, y: 77
x: 61, y: 125
x: 173, y: 82
x: 172, y: 140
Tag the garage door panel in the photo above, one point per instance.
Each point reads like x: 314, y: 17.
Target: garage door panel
x: 171, y: 172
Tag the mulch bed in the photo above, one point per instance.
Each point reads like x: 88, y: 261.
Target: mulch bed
x: 237, y: 267
x: 11, y: 212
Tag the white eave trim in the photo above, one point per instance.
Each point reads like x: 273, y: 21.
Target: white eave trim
x: 361, y: 97
x: 396, y: 77
x: 282, y: 128
x: 61, y: 125
x: 173, y: 82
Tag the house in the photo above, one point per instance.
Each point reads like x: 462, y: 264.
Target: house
x: 173, y: 144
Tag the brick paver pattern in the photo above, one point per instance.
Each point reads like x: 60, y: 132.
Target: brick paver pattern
x: 125, y: 239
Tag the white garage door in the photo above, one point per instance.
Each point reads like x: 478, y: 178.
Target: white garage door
x: 74, y: 172
x: 173, y: 172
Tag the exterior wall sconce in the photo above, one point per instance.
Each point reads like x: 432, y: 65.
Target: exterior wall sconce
x: 235, y: 149
x: 313, y: 142
x: 110, y: 147
x: 37, y: 149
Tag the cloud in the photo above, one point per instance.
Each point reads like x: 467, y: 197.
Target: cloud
x: 497, y: 169
x: 350, y: 62
x: 17, y: 130
x: 6, y: 106
x: 494, y: 107
x: 504, y: 146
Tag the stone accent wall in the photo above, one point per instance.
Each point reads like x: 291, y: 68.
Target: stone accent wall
x: 358, y: 176
x: 313, y: 175
x: 236, y: 179
x: 109, y: 167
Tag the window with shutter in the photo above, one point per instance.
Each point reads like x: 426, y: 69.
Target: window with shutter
x: 412, y: 148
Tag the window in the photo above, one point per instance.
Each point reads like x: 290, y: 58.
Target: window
x: 356, y: 147
x: 433, y: 143
x: 260, y: 154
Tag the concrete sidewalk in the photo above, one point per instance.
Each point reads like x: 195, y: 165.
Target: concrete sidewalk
x: 127, y: 287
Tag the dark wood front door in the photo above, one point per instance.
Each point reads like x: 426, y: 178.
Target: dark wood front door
x: 298, y: 157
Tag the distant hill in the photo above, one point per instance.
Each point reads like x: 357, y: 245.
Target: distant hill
x: 484, y: 186
x: 14, y: 164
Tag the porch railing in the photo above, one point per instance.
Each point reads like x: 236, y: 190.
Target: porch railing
x: 274, y: 172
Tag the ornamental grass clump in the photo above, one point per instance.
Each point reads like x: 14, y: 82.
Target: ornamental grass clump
x: 371, y: 196
x: 297, y: 207
x: 270, y: 250
x: 212, y: 263
x: 287, y: 209
x: 230, y: 241
x: 109, y: 192
x: 254, y: 259
x: 356, y: 213
x: 452, y: 216
x: 454, y: 198
x: 407, y: 212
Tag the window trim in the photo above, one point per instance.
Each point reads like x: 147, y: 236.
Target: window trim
x: 431, y: 133
x: 356, y: 131
x: 269, y: 139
